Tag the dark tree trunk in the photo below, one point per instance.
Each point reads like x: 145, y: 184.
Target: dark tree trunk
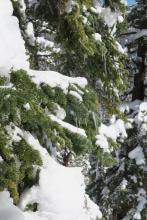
x: 139, y: 88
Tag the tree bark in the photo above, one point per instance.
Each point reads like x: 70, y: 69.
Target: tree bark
x: 139, y: 88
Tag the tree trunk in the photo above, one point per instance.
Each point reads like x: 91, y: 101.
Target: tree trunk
x: 139, y: 88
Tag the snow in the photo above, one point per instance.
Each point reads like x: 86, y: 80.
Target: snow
x: 110, y: 18
x: 12, y: 49
x: 84, y: 19
x: 1, y: 159
x: 134, y: 178
x: 124, y: 184
x: 60, y: 193
x: 141, y: 118
x: 55, y: 79
x: 139, y: 33
x: 68, y: 126
x: 7, y: 209
x: 76, y: 94
x: 97, y: 37
x: 143, y: 107
x: 30, y: 33
x: 112, y: 131
x: 27, y: 106
x: 138, y: 155
x: 120, y: 49
x: 103, y: 143
x: 142, y: 201
x: 43, y: 43
x: 60, y: 112
x: 78, y: 90
x: 14, y: 132
x: 132, y: 105
x: 69, y: 6
x: 9, y: 86
x: 61, y: 190
x: 124, y: 2
x: 96, y: 7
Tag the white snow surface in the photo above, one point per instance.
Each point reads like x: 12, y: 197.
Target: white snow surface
x: 43, y: 43
x: 12, y: 49
x: 60, y: 193
x: 97, y: 37
x: 1, y: 159
x: 68, y: 126
x: 27, y: 106
x: 139, y: 33
x: 113, y: 131
x: 124, y: 184
x: 30, y: 33
x: 142, y: 201
x: 124, y: 2
x: 7, y: 210
x: 76, y: 94
x: 55, y: 79
x: 138, y: 155
x: 142, y: 113
x: 119, y: 47
x: 60, y: 112
x: 111, y: 18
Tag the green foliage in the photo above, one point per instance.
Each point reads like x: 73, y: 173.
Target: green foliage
x: 81, y: 53
x: 8, y: 170
x: 90, y: 100
x: 11, y: 175
x: 94, y: 59
x: 9, y: 178
x: 55, y: 95
x: 79, y: 41
x: 115, y: 5
x: 27, y: 155
x: 43, y: 101
x: 5, y: 152
x: 31, y: 207
x: 80, y: 144
x: 29, y: 158
x: 104, y: 158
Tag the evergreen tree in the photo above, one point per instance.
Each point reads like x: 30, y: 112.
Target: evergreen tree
x: 122, y: 190
x: 76, y: 38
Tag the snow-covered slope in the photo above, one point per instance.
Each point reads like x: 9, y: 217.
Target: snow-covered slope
x: 7, y: 209
x: 12, y: 48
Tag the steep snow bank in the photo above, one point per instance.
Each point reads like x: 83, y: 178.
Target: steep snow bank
x: 7, y: 209
x: 60, y: 193
x: 12, y: 49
